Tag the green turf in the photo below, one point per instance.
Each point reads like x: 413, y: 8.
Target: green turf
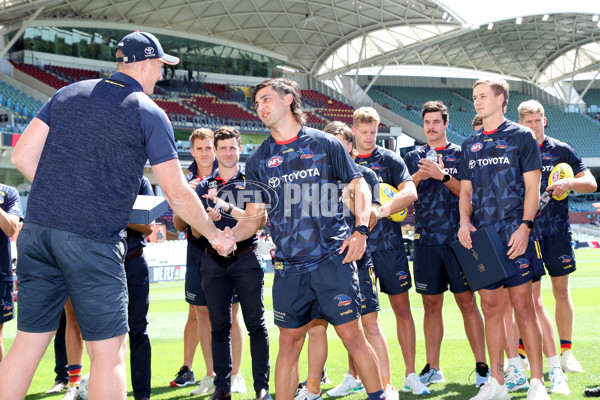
x: 168, y: 312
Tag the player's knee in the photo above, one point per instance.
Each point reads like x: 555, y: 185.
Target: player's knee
x: 466, y: 304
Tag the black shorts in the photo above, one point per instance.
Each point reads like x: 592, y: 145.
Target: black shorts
x: 391, y: 268
x: 558, y: 255
x: 330, y: 292
x: 436, y: 268
x: 8, y: 303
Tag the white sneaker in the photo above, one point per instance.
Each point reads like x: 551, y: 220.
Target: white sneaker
x: 492, y: 391
x: 349, y: 386
x: 537, y: 391
x: 559, y: 384
x: 207, y: 385
x: 391, y: 393
x: 238, y: 384
x: 412, y: 383
x: 569, y: 363
x: 305, y: 394
x: 72, y: 393
x: 515, y: 379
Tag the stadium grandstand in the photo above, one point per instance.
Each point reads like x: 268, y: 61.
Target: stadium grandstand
x: 392, y: 55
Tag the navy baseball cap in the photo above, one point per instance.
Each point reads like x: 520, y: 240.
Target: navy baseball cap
x: 140, y: 46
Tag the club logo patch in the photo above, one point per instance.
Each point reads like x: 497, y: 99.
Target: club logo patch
x: 402, y: 275
x: 522, y: 263
x: 305, y: 153
x: 565, y: 259
x: 343, y: 300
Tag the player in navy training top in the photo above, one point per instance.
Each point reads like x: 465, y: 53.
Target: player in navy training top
x: 554, y: 225
x: 500, y: 176
x: 436, y: 222
x: 11, y: 215
x: 316, y: 250
x: 385, y: 240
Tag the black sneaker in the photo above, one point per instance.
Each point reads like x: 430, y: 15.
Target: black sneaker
x: 593, y: 392
x: 184, y: 377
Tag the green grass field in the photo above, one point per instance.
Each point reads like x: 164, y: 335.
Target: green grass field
x: 168, y: 313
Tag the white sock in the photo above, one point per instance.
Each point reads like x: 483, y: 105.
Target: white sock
x: 516, y: 362
x: 553, y: 362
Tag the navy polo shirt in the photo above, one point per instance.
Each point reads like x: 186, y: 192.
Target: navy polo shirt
x: 232, y: 191
x: 196, y: 246
x: 11, y: 204
x: 101, y: 134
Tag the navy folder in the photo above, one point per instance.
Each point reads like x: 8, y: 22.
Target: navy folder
x: 486, y: 263
x: 147, y: 208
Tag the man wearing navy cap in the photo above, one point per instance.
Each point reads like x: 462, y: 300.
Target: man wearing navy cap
x: 72, y: 243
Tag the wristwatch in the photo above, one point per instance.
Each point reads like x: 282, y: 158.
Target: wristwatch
x: 228, y: 212
x: 362, y: 229
x: 528, y: 223
x: 446, y: 178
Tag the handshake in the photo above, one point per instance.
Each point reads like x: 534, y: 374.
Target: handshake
x: 224, y: 242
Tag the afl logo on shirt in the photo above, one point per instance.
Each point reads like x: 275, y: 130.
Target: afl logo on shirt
x: 274, y: 161
x: 476, y: 147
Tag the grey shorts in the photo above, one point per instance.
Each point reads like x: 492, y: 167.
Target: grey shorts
x: 55, y: 264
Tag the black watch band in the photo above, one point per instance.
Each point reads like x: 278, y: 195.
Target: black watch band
x: 228, y: 212
x: 446, y: 178
x: 528, y: 223
x: 362, y: 229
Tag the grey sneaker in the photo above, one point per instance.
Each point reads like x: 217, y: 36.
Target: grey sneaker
x: 184, y: 377
x: 431, y: 375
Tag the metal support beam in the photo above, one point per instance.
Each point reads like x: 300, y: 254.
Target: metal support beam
x: 369, y: 85
x: 20, y: 32
x: 589, y: 85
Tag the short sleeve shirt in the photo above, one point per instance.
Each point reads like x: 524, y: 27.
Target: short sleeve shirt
x: 11, y: 204
x: 495, y: 162
x: 554, y: 219
x: 306, y: 214
x: 436, y: 211
x: 389, y: 168
x: 101, y: 133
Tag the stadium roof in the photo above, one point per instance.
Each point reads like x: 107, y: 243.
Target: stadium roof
x: 325, y: 38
